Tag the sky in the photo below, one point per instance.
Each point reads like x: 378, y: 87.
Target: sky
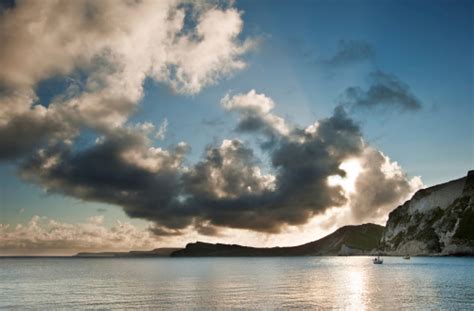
x: 140, y: 125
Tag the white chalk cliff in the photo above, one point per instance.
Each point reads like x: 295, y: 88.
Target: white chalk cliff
x: 436, y: 221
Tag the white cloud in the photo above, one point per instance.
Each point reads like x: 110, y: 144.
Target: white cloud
x: 116, y: 44
x: 216, y: 53
x: 43, y: 235
x: 161, y: 134
x: 256, y: 112
x: 229, y: 171
x: 381, y: 186
x: 252, y: 101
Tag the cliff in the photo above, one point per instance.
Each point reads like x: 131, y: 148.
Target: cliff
x: 436, y: 221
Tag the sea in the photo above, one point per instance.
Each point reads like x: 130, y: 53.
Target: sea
x: 350, y: 283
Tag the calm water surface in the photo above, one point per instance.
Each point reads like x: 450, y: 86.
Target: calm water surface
x: 249, y: 283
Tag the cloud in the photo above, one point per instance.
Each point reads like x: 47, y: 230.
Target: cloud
x: 385, y: 92
x: 302, y: 161
x: 42, y: 235
x: 201, y: 62
x: 6, y: 4
x: 140, y: 37
x: 373, y: 186
x: 229, y: 171
x: 350, y: 52
x: 22, y: 132
x: 255, y: 113
x: 381, y: 186
x: 161, y: 134
x: 122, y: 168
x: 114, y: 45
x: 227, y: 188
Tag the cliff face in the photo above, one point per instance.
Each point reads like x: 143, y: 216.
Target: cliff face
x: 437, y: 220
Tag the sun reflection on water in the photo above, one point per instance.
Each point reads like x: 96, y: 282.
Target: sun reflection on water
x: 356, y: 287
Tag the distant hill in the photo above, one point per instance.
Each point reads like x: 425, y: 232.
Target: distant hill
x: 436, y: 221
x: 159, y: 252
x: 348, y: 240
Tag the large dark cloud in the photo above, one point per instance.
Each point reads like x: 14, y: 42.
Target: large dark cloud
x: 18, y: 139
x: 303, y: 161
x: 385, y: 92
x: 119, y: 170
x: 227, y: 188
x: 25, y: 125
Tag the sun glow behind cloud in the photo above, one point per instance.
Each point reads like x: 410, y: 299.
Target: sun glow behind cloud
x: 353, y: 168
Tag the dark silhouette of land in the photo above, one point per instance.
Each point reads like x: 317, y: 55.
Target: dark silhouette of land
x: 158, y: 252
x: 348, y: 240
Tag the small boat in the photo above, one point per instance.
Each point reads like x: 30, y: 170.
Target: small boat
x: 377, y: 260
x: 407, y: 257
